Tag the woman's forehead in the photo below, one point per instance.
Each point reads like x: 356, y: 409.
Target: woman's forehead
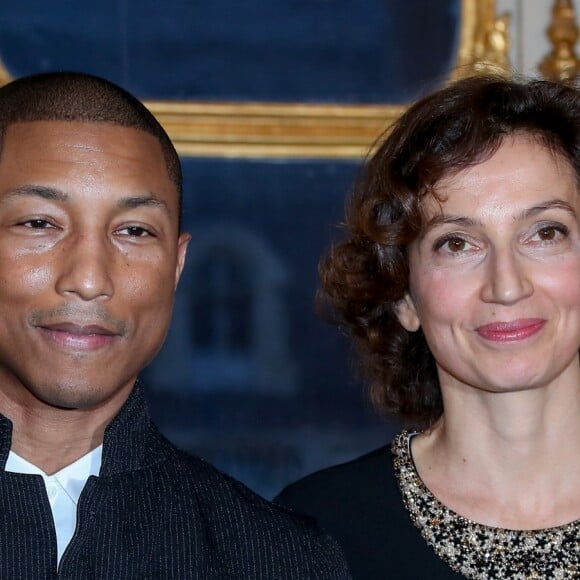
x: 523, y: 168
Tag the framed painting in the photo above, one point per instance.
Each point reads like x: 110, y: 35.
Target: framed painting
x: 286, y: 78
x: 271, y: 106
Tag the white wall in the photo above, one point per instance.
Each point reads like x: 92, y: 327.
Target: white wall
x: 530, y: 19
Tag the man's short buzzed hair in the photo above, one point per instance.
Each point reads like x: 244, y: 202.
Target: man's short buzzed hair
x: 73, y: 96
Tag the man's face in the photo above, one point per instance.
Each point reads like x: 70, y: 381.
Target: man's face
x: 90, y: 256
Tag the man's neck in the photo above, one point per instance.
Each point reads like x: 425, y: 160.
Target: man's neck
x: 52, y: 438
x: 56, y: 451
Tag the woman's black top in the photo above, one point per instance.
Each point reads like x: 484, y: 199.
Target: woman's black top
x: 360, y: 505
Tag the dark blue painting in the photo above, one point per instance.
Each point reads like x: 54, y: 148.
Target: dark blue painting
x: 250, y: 378
x: 279, y: 50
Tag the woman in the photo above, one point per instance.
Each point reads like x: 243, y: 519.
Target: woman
x: 459, y: 280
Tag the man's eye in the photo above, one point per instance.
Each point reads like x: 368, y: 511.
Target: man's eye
x: 136, y: 231
x: 36, y: 224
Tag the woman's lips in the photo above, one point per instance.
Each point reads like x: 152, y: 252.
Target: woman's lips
x: 511, y: 331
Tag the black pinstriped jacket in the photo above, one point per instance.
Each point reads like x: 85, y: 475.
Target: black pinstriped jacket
x: 156, y: 513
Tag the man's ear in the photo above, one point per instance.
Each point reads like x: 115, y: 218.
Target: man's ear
x: 182, y: 244
x: 407, y: 314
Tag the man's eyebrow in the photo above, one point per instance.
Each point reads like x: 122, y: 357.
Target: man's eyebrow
x: 53, y: 194
x: 143, y: 200
x: 42, y: 191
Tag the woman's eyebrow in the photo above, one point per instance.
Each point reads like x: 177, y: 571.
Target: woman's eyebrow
x: 443, y: 219
x: 541, y: 207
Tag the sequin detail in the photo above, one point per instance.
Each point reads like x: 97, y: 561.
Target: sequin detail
x: 478, y: 551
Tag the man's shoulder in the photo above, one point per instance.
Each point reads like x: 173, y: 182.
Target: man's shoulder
x: 216, y: 491
x: 238, y: 522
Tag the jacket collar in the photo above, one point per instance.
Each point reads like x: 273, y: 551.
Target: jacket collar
x: 131, y: 441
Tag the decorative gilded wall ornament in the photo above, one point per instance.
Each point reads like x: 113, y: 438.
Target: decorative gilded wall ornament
x: 304, y: 130
x: 489, y: 50
x: 496, y: 45
x: 262, y: 130
x: 562, y: 63
x: 4, y: 74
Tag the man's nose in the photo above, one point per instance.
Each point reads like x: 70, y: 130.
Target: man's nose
x: 85, y: 268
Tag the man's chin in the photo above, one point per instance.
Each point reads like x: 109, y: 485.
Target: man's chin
x: 76, y: 396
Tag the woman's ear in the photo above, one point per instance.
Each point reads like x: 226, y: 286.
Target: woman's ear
x: 407, y: 314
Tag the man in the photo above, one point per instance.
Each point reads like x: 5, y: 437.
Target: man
x: 90, y: 256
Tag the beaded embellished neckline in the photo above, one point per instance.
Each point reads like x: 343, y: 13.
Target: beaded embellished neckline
x: 478, y: 551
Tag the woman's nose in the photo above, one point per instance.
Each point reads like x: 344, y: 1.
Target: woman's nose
x: 506, y: 279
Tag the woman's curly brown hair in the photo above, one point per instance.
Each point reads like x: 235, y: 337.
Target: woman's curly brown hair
x: 366, y: 275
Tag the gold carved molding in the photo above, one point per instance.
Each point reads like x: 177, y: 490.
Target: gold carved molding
x: 4, y: 75
x: 262, y: 130
x: 304, y: 130
x: 562, y: 63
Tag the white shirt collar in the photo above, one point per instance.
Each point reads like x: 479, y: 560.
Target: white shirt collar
x: 63, y: 490
x: 72, y: 478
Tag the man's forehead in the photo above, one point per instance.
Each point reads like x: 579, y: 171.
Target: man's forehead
x: 73, y: 140
x: 76, y: 127
x: 25, y: 145
x: 37, y: 150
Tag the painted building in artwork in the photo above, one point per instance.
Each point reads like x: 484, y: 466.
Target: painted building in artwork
x: 249, y: 373
x: 250, y: 377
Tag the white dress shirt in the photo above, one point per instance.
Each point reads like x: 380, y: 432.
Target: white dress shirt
x: 63, y: 489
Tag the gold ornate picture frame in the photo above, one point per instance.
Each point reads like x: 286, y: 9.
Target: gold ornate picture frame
x: 304, y: 130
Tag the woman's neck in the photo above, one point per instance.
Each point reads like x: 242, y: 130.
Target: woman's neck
x: 506, y: 459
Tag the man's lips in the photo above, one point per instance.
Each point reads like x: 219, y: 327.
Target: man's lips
x: 80, y: 329
x: 78, y: 336
x: 511, y: 331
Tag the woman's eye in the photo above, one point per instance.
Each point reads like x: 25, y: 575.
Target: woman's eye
x: 551, y: 233
x: 452, y: 244
x: 456, y: 245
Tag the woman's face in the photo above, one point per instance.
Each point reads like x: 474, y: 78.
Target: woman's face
x: 495, y: 275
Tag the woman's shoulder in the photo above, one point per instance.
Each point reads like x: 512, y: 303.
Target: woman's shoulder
x: 343, y: 483
x: 359, y: 503
x: 347, y: 499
